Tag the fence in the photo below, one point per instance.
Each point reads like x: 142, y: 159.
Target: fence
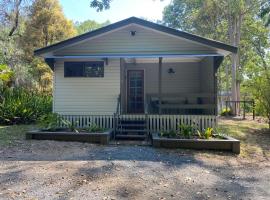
x: 154, y: 123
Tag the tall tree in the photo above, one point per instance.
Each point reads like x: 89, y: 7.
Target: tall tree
x: 217, y: 19
x: 89, y: 25
x: 46, y: 25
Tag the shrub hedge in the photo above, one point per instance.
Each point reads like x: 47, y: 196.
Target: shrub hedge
x: 19, y: 105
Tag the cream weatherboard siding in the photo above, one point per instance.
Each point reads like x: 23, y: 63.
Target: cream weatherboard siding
x: 186, y: 78
x: 146, y: 41
x: 79, y: 96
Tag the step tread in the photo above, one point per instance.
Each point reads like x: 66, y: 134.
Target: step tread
x: 130, y: 136
x: 127, y: 125
x: 131, y: 130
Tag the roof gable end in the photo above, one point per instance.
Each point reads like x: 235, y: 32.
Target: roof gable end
x: 134, y: 20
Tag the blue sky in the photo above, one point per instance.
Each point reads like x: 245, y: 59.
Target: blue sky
x: 79, y: 10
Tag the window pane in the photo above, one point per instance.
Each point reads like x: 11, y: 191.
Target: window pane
x: 73, y: 69
x: 84, y: 69
x: 94, y: 69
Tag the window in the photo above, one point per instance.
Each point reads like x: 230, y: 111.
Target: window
x: 84, y: 69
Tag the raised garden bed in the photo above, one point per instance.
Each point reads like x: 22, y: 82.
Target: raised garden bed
x: 65, y: 135
x: 225, y: 144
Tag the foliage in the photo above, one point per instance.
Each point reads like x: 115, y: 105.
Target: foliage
x: 49, y: 121
x: 94, y: 128
x: 46, y: 25
x: 89, y: 25
x: 265, y: 13
x: 71, y: 126
x: 5, y: 75
x: 100, y: 5
x: 235, y: 22
x: 185, y: 130
x: 226, y: 112
x: 168, y: 134
x: 208, y: 133
x: 20, y: 105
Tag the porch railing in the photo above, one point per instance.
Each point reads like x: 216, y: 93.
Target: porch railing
x: 155, y: 123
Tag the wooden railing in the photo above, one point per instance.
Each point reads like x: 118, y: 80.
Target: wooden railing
x: 155, y: 123
x: 82, y: 121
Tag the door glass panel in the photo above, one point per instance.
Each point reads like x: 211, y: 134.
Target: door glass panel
x: 135, y: 91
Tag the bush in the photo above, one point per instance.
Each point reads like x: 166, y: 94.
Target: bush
x: 20, y: 105
x: 49, y: 121
x: 226, y: 112
x: 185, y: 130
x: 93, y: 128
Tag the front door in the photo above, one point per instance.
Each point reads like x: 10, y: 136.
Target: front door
x: 135, y: 91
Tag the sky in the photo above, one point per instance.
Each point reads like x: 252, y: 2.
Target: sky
x: 79, y: 10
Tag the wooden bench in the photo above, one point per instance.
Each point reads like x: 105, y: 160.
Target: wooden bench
x: 173, y: 103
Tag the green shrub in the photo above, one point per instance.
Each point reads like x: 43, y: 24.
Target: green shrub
x: 20, y: 105
x: 206, y: 133
x: 49, y: 121
x: 95, y: 128
x: 168, y: 134
x: 185, y: 130
x: 226, y: 112
x: 71, y: 126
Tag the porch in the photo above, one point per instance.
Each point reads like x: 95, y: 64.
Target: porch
x: 168, y: 85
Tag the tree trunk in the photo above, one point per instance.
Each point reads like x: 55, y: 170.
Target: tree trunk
x: 234, y: 30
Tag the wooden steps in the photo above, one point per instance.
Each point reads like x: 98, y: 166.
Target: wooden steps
x: 133, y: 129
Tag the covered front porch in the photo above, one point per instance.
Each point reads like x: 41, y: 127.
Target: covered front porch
x: 168, y: 85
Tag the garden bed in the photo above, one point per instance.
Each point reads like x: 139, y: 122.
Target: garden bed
x: 65, y: 135
x: 225, y: 144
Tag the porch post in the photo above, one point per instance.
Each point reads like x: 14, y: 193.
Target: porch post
x: 159, y: 83
x: 122, y: 86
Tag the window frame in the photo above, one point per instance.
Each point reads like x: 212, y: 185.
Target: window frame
x: 84, y: 64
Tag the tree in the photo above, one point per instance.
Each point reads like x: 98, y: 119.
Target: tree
x: 217, y: 19
x: 265, y: 12
x: 11, y: 12
x: 100, y: 5
x: 89, y: 25
x: 46, y: 25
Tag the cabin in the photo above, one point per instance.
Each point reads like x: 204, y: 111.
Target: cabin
x: 136, y: 77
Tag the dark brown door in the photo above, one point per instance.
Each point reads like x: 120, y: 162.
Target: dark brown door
x: 135, y: 91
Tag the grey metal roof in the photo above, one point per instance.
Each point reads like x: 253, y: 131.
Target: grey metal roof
x: 135, y: 20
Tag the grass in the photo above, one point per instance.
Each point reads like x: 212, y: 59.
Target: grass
x: 254, y: 136
x: 11, y: 134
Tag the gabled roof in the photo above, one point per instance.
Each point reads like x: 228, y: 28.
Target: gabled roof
x: 134, y: 20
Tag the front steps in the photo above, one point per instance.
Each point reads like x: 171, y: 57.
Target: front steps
x: 131, y: 129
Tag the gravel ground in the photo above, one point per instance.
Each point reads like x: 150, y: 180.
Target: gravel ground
x: 70, y: 170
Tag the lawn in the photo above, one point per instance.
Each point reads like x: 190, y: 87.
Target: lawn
x: 254, y: 136
x: 10, y: 134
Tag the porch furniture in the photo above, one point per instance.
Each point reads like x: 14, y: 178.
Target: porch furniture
x: 176, y: 103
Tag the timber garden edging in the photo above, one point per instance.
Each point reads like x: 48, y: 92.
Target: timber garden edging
x: 100, y: 138
x: 226, y: 144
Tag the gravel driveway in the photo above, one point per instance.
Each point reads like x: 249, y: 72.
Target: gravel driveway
x: 66, y: 170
